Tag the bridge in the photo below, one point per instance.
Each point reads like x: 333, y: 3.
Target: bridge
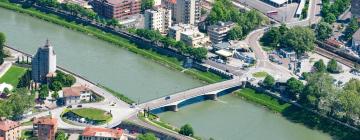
x: 173, y: 102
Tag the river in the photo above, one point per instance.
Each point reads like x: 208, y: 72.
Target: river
x: 230, y: 118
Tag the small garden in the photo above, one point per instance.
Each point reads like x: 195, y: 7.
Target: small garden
x: 91, y: 116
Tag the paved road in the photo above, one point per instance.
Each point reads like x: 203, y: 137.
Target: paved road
x: 184, y: 95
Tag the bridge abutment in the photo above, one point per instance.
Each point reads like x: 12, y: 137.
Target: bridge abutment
x: 172, y: 108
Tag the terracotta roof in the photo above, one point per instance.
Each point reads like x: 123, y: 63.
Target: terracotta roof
x: 2, y: 138
x: 74, y: 91
x: 102, y: 132
x: 173, y: 1
x: 47, y: 120
x: 6, y: 125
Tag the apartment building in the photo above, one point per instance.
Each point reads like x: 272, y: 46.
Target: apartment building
x: 187, y: 11
x: 118, y: 9
x: 158, y: 19
x: 218, y: 32
x: 9, y: 130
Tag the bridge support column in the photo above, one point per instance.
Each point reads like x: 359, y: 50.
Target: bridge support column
x: 172, y: 108
x: 243, y: 84
x: 212, y: 96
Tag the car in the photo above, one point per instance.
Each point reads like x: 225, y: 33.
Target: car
x: 167, y: 97
x: 79, y: 105
x: 70, y: 106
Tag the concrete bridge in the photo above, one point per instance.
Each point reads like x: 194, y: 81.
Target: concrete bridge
x: 174, y: 101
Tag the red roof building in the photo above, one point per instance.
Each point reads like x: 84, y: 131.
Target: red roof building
x: 45, y: 127
x: 95, y: 133
x: 118, y: 9
x: 9, y: 130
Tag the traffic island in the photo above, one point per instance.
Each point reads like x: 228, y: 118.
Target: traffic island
x: 86, y: 116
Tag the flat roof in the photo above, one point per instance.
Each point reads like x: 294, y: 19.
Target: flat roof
x: 279, y: 2
x: 224, y: 53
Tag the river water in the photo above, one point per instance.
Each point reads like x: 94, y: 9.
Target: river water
x: 230, y: 118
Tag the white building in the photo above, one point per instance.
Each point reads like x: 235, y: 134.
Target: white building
x: 218, y: 32
x: 43, y: 63
x: 75, y: 95
x: 356, y: 41
x: 176, y: 30
x: 193, y: 38
x: 187, y: 11
x: 158, y: 19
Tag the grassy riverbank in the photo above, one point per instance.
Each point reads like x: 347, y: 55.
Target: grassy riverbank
x: 120, y: 96
x: 299, y: 115
x: 170, y: 62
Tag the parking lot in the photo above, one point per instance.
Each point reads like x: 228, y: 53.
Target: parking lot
x: 284, y: 14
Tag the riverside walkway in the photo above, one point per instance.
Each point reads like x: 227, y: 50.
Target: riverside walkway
x: 211, y: 91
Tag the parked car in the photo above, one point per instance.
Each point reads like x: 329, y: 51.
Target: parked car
x: 167, y: 97
x: 79, y: 105
x: 70, y: 106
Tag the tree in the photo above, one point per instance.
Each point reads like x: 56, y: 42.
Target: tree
x: 25, y: 80
x: 187, y: 130
x: 6, y: 91
x: 320, y: 66
x: 19, y: 103
x: 146, y: 136
x: 301, y: 39
x: 333, y: 67
x: 272, y: 37
x: 351, y: 29
x: 269, y: 81
x: 55, y: 95
x: 294, y: 87
x: 55, y: 86
x: 60, y: 135
x: 147, y: 4
x: 43, y: 92
x: 66, y: 80
x: 2, y: 43
x: 323, y: 31
x: 348, y: 105
x: 235, y: 33
x: 330, y: 18
x: 353, y: 84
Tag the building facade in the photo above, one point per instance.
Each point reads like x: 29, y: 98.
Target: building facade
x: 43, y: 64
x: 171, y: 5
x: 176, y: 30
x: 193, y: 38
x: 9, y: 130
x: 355, y: 8
x: 355, y: 44
x: 98, y: 133
x: 45, y: 127
x: 218, y: 32
x: 75, y: 95
x: 118, y: 9
x: 158, y: 19
x: 187, y: 11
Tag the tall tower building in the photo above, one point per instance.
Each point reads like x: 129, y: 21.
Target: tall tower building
x: 187, y: 11
x: 43, y: 63
x: 158, y: 19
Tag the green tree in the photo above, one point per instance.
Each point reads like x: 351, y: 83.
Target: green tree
x: 147, y: 4
x: 25, y: 80
x: 348, y: 105
x: 55, y: 95
x: 6, y: 91
x: 353, y: 84
x: 146, y: 136
x: 55, y: 86
x: 294, y: 87
x: 20, y: 102
x: 269, y: 81
x: 44, y: 91
x: 320, y: 66
x: 235, y: 33
x: 333, y: 66
x: 60, y: 135
x: 330, y: 18
x: 272, y: 38
x: 351, y: 29
x: 2, y: 43
x: 187, y: 130
x: 323, y: 31
x: 301, y: 39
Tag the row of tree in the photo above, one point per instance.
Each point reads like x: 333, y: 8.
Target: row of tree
x: 299, y: 39
x: 197, y: 53
x: 57, y: 83
x: 224, y: 10
x: 2, y: 43
x: 330, y: 11
x: 17, y: 104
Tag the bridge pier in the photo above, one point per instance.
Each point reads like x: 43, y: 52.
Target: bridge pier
x: 211, y: 96
x: 172, y: 108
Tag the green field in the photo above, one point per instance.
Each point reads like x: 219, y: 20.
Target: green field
x: 92, y: 114
x: 13, y: 75
x: 263, y: 99
x: 260, y: 74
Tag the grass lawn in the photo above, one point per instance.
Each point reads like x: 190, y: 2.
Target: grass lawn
x: 260, y: 74
x: 263, y: 99
x: 13, y: 75
x: 92, y: 114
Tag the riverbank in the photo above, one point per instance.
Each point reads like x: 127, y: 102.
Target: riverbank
x: 170, y: 62
x: 298, y: 115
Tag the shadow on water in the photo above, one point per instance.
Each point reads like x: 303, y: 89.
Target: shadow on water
x: 194, y: 100
x: 314, y: 121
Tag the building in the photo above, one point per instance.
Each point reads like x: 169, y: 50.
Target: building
x: 218, y: 32
x: 118, y: 9
x: 355, y: 8
x: 356, y: 41
x: 9, y: 130
x: 158, y: 19
x: 187, y: 11
x: 193, y: 38
x: 45, y: 127
x: 97, y: 133
x: 75, y: 95
x: 176, y: 30
x: 43, y: 64
x: 171, y: 5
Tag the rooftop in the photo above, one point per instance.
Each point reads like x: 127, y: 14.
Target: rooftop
x: 6, y: 125
x: 74, y: 91
x: 102, y: 132
x: 356, y: 35
x: 46, y: 120
x: 279, y: 2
